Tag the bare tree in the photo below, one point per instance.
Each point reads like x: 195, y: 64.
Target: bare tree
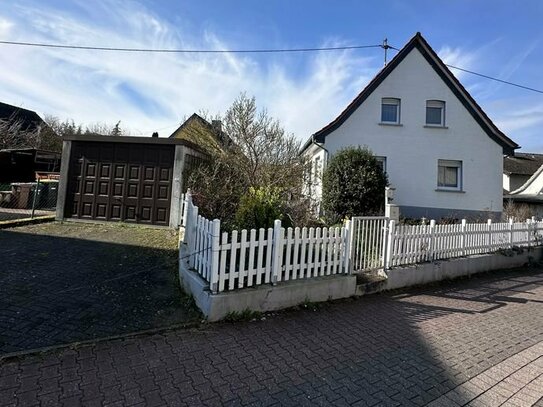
x: 14, y: 135
x: 260, y: 155
x: 267, y: 155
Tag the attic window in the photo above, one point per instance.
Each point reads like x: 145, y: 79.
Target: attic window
x: 435, y: 113
x: 390, y: 111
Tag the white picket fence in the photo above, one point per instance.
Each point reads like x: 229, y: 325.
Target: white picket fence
x: 408, y: 244
x: 248, y: 258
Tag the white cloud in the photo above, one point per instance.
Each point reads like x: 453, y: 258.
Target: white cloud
x: 457, y: 57
x: 5, y: 27
x: 152, y: 91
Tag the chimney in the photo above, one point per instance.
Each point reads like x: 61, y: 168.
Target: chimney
x: 217, y: 126
x: 155, y: 134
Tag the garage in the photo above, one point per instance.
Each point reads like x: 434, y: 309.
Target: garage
x: 124, y: 179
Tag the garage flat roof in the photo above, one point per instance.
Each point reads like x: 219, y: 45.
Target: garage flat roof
x: 134, y: 140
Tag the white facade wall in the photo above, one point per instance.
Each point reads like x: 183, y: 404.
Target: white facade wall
x: 412, y: 151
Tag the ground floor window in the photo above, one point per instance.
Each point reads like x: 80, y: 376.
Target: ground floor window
x: 449, y: 175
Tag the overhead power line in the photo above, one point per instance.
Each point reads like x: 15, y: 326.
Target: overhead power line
x: 487, y: 76
x: 384, y: 46
x: 495, y: 79
x: 187, y: 51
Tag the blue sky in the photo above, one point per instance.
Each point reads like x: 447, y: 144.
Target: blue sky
x: 304, y: 91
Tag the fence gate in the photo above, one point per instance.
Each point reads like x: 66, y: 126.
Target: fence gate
x: 368, y: 243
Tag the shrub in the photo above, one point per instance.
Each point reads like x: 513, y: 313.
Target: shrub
x: 259, y: 208
x: 353, y: 184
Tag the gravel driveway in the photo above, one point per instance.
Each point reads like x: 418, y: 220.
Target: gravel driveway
x: 66, y: 282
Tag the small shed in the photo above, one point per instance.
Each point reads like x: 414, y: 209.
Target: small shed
x: 124, y: 179
x: 21, y: 164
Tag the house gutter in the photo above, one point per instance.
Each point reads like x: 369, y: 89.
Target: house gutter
x: 320, y: 146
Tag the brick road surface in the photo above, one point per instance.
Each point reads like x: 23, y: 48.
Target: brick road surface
x: 476, y: 342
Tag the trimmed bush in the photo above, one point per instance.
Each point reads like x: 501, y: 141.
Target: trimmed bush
x: 353, y: 185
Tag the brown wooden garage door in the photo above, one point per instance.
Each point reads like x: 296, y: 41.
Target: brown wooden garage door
x: 120, y: 182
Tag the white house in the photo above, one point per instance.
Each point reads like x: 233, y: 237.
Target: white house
x: 440, y: 150
x: 530, y: 192
x: 519, y: 168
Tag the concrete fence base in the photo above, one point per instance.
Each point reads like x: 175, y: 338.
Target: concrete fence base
x: 425, y: 273
x: 287, y: 294
x: 265, y: 297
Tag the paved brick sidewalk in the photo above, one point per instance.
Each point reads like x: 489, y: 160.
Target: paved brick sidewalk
x: 478, y: 341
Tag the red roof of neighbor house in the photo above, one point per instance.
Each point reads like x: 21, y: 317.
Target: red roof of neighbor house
x: 446, y: 75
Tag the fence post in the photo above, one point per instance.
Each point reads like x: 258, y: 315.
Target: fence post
x: 511, y: 233
x: 385, y: 244
x: 348, y: 244
x: 528, y: 222
x: 463, y: 237
x: 388, y: 259
x: 188, y: 198
x: 193, y: 229
x: 187, y: 217
x: 431, y: 249
x: 489, y: 224
x: 215, y: 248
x: 277, y: 249
x: 35, y: 198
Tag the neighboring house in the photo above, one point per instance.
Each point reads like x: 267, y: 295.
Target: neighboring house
x: 519, y: 168
x: 523, y: 175
x: 23, y: 128
x: 209, y: 137
x: 19, y: 156
x: 440, y: 150
x: 197, y: 130
x: 28, y: 119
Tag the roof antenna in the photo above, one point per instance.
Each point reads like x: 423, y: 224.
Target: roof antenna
x: 385, y: 46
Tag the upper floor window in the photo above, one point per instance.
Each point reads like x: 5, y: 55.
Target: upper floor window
x: 390, y: 110
x: 435, y: 113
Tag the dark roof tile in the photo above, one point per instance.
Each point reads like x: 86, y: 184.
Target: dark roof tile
x: 522, y: 163
x: 29, y: 119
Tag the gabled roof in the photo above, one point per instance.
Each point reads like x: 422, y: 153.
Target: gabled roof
x: 28, y: 118
x: 199, y: 131
x: 522, y: 163
x: 444, y: 73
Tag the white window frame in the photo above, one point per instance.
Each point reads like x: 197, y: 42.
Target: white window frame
x: 383, y: 160
x: 391, y: 102
x: 435, y: 104
x: 459, y: 174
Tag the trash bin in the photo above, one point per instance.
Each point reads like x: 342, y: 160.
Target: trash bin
x: 38, y: 188
x: 22, y: 192
x: 47, y: 194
